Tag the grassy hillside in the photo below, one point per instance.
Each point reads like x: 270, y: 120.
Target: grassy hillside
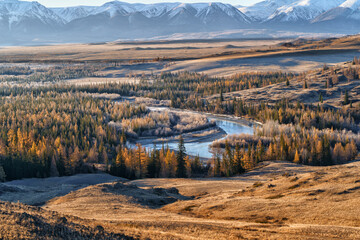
x: 317, y: 82
x: 20, y: 221
x: 276, y: 201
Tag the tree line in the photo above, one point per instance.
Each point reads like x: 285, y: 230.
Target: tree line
x: 60, y: 134
x: 57, y: 133
x: 140, y: 162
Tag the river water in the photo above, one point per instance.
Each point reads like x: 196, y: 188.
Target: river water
x: 201, y: 148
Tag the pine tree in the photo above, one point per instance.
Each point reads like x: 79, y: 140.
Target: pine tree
x: 113, y: 167
x: 2, y: 174
x: 123, y: 138
x: 60, y: 163
x: 180, y: 159
x: 346, y: 98
x: 355, y: 61
x: 305, y: 85
x: 216, y: 165
x: 105, y: 157
x: 196, y: 165
x: 120, y: 163
x: 238, y: 160
x: 228, y: 160
x: 152, y: 167
x: 327, y: 152
x: 221, y: 95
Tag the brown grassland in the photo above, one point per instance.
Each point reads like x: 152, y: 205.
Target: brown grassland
x: 278, y: 200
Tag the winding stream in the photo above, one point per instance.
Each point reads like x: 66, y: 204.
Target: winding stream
x: 201, y: 148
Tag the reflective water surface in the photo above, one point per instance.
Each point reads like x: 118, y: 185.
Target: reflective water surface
x: 202, y: 148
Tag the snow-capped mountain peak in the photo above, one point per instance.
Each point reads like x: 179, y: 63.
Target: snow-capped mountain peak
x: 16, y: 11
x: 352, y: 4
x: 341, y: 15
x: 263, y: 10
x: 115, y: 19
x: 155, y: 10
x: 72, y: 13
x: 303, y: 10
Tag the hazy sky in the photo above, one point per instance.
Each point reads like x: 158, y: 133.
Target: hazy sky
x: 65, y: 3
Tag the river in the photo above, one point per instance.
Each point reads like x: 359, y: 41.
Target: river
x: 201, y: 148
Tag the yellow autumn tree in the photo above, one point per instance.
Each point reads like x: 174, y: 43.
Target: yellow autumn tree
x: 297, y: 157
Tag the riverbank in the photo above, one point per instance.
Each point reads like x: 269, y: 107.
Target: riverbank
x: 154, y: 104
x: 240, y: 120
x: 199, y: 141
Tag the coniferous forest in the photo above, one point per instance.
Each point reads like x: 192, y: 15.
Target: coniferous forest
x: 62, y: 129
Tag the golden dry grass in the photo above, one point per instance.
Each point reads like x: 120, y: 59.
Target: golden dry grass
x: 215, y: 58
x: 293, y: 202
x: 129, y: 51
x: 18, y: 221
x: 316, y: 81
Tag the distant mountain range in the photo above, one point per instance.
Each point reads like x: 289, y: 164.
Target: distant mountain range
x: 22, y: 22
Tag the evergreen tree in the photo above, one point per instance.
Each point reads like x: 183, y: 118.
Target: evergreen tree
x: 228, y: 160
x: 152, y: 167
x: 180, y: 159
x: 113, y: 167
x: 346, y: 98
x: 123, y: 137
x: 2, y: 174
x: 238, y: 160
x: 305, y: 85
x: 216, y: 165
x: 196, y: 165
x: 221, y: 95
x: 60, y: 165
x: 327, y: 152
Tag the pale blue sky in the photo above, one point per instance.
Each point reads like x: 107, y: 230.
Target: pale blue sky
x: 65, y: 3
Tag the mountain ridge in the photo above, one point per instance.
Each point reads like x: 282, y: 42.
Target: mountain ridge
x: 31, y: 21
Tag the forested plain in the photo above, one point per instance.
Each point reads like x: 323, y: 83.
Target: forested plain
x: 59, y: 129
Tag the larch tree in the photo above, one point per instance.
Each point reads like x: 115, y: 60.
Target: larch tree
x: 297, y: 157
